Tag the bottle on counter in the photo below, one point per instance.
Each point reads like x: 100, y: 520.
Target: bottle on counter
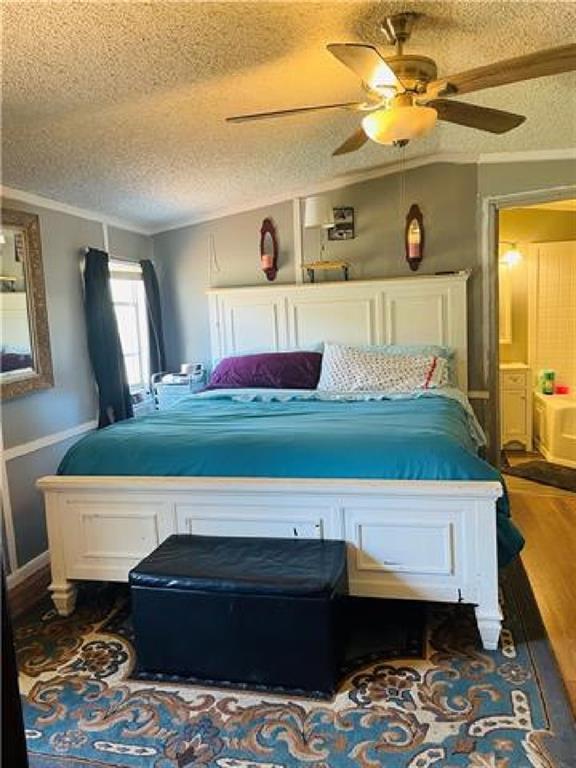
x: 548, y: 378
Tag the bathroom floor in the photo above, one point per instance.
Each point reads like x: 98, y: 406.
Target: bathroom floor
x: 514, y: 458
x: 547, y: 518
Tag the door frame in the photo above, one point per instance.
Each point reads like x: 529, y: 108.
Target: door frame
x: 491, y: 205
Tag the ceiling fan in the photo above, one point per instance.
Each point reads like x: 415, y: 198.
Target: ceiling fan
x: 405, y: 97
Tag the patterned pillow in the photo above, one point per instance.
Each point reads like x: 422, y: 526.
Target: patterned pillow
x: 352, y: 369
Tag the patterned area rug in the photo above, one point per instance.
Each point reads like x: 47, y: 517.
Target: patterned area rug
x: 459, y: 707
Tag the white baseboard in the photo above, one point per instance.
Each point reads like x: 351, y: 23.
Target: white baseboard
x: 28, y: 569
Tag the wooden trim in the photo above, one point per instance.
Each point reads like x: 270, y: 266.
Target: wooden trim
x: 449, y: 488
x: 298, y: 244
x: 45, y: 442
x: 528, y: 156
x: 462, y: 275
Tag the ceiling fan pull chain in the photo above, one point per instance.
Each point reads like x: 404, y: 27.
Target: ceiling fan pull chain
x: 402, y: 187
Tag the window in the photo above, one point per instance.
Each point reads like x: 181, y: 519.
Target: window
x: 129, y: 300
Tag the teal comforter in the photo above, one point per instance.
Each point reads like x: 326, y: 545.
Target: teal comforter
x: 244, y: 434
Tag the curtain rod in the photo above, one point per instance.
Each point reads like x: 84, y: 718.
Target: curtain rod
x: 110, y: 255
x: 133, y: 266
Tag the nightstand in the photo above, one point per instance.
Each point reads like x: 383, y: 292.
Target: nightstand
x: 169, y: 393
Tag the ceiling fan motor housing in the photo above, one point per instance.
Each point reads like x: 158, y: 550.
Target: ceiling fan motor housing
x: 414, y: 72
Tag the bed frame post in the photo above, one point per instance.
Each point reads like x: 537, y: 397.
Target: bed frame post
x: 63, y: 591
x: 488, y: 613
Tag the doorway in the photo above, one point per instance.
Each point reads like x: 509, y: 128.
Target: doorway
x: 537, y: 334
x: 533, y: 342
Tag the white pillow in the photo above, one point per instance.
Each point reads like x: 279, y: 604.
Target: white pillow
x: 352, y: 369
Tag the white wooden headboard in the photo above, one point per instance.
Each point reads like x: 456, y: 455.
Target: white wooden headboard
x: 412, y: 310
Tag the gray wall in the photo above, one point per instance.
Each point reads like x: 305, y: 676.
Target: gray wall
x: 212, y: 254
x: 72, y: 400
x: 446, y: 194
x: 26, y: 501
x: 508, y: 178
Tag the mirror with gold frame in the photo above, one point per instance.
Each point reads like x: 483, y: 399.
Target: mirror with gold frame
x: 25, y: 359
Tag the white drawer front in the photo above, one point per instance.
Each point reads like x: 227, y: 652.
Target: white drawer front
x: 254, y: 520
x: 513, y: 379
x: 112, y: 537
x: 403, y: 550
x: 382, y: 546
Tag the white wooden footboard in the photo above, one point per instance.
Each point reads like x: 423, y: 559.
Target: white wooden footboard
x: 420, y: 540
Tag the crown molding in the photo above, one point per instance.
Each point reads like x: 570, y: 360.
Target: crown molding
x: 20, y: 196
x: 531, y: 156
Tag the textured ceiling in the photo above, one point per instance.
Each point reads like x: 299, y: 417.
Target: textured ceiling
x: 120, y: 107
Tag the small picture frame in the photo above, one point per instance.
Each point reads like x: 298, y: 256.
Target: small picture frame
x: 343, y: 228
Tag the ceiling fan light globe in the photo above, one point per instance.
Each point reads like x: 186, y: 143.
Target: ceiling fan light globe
x: 385, y: 126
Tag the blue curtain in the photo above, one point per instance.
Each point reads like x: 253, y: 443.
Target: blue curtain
x: 155, y: 331
x: 115, y: 402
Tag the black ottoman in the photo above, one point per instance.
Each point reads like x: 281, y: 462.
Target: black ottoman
x: 262, y: 612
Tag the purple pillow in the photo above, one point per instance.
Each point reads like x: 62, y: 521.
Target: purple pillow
x: 273, y: 370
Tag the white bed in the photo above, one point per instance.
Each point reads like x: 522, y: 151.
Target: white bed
x: 426, y: 540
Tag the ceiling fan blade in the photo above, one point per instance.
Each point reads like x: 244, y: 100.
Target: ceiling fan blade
x: 552, y: 61
x: 483, y: 118
x: 352, y: 143
x: 296, y: 111
x: 366, y: 62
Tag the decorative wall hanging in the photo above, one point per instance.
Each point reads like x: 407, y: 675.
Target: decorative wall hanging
x: 414, y: 237
x: 343, y: 228
x: 269, y: 249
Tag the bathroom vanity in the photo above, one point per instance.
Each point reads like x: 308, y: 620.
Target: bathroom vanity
x: 515, y: 406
